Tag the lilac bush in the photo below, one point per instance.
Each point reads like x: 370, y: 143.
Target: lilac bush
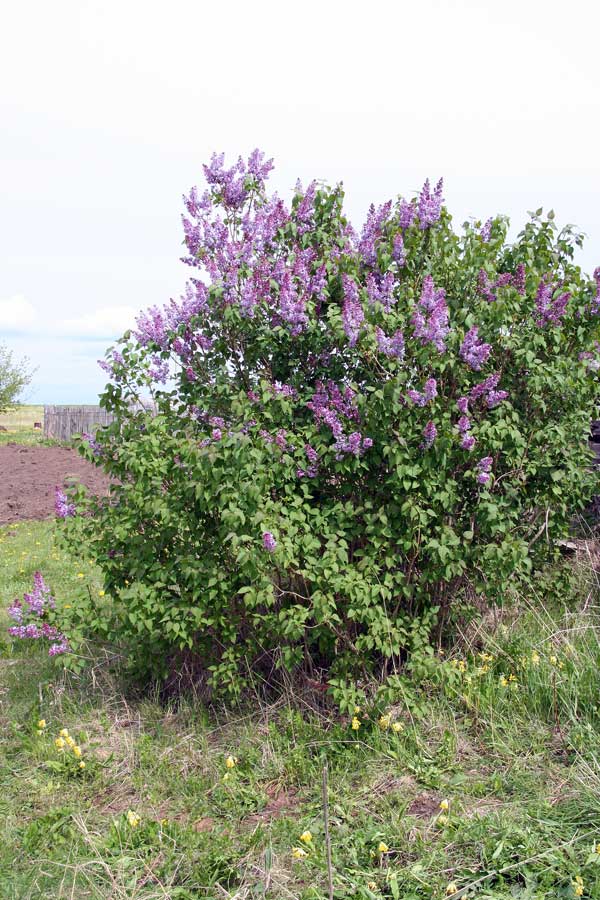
x: 354, y: 430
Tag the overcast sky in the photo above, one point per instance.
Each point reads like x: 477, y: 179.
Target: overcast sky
x: 109, y: 108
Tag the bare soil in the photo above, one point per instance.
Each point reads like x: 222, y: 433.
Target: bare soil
x: 29, y: 475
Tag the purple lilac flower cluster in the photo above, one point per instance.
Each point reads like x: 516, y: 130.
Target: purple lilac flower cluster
x: 327, y: 405
x: 352, y: 311
x: 467, y: 441
x: 62, y: 507
x: 473, y: 351
x: 486, y: 288
x: 430, y: 204
x: 392, y: 347
x: 429, y: 435
x: 429, y: 393
x: 381, y: 290
x: 486, y: 231
x: 487, y: 389
x: 269, y: 542
x: 29, y: 615
x: 92, y: 443
x: 483, y: 469
x: 372, y: 232
x: 433, y: 326
x: 549, y: 309
x: 595, y: 304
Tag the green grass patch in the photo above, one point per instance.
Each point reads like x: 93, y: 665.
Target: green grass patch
x: 508, y: 734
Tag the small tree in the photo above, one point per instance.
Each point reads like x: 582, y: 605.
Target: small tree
x: 355, y: 433
x: 15, y: 376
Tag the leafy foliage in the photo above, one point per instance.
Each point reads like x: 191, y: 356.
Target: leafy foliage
x: 353, y: 434
x: 14, y: 378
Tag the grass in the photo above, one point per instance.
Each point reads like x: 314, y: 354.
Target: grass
x: 19, y: 423
x: 518, y: 763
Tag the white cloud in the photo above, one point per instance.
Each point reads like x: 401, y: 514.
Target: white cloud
x: 106, y: 323
x: 16, y: 314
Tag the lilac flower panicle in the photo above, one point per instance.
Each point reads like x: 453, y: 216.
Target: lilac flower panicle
x: 495, y: 397
x: 473, y: 351
x: 486, y: 231
x: 519, y: 279
x: 398, y: 251
x: 430, y: 204
x: 484, y: 286
x: 30, y: 616
x: 269, y: 542
x: 392, y: 347
x: 406, y: 214
x: 62, y: 507
x: 429, y: 435
x: 352, y: 311
x: 549, y: 310
x: 467, y: 441
x: 432, y: 327
x: 463, y: 405
x: 505, y: 279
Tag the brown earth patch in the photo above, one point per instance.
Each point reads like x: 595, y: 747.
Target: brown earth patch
x: 28, y: 476
x: 280, y: 803
x: 424, y: 806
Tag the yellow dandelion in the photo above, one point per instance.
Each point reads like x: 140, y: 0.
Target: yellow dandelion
x: 306, y: 837
x: 133, y: 819
x: 382, y: 847
x: 504, y: 681
x: 577, y: 885
x: 385, y: 721
x: 444, y: 805
x: 299, y: 853
x: 231, y: 762
x: 462, y: 665
x: 553, y: 659
x: 82, y: 765
x: 64, y: 732
x: 355, y: 724
x: 41, y: 723
x: 101, y: 593
x: 397, y: 727
x: 80, y: 575
x: 451, y: 889
x: 77, y: 751
x: 69, y: 741
x: 357, y: 710
x: 442, y: 820
x: 59, y: 743
x: 372, y: 885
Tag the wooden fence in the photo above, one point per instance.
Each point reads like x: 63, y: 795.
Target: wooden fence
x: 62, y: 422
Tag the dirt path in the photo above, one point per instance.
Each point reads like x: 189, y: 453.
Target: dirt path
x: 28, y: 476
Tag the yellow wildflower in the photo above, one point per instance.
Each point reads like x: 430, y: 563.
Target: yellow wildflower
x: 598, y: 849
x: 41, y: 723
x: 77, y: 751
x: 397, y: 727
x: 535, y: 658
x: 299, y: 853
x: 306, y: 837
x: 355, y: 724
x: 59, y: 743
x: 82, y: 765
x: 69, y: 741
x: 133, y: 818
x: 452, y: 888
x: 64, y: 732
x: 385, y: 721
x: 231, y: 762
x: 444, y: 805
x: 462, y: 665
x: 577, y: 885
x: 372, y: 885
x: 553, y: 659
x: 382, y: 847
x: 101, y: 593
x: 442, y: 820
x: 80, y: 575
x: 357, y: 710
x: 512, y: 678
x: 504, y: 681
x: 225, y: 777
